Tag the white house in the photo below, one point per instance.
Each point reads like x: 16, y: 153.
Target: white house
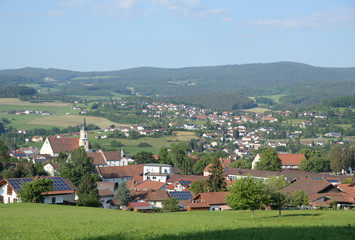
x: 63, y: 190
x: 156, y: 172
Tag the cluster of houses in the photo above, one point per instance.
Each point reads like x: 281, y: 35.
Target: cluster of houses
x: 29, y: 112
x: 151, y: 184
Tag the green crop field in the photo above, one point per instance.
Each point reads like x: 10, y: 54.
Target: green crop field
x: 38, y: 221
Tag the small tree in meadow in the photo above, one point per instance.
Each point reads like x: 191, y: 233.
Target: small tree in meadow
x: 171, y: 205
x: 247, y: 193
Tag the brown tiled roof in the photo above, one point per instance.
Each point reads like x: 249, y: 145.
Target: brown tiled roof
x: 63, y: 144
x: 198, y: 205
x: 113, y: 155
x: 105, y: 192
x: 121, y: 171
x: 212, y: 198
x: 97, y: 157
x: 106, y: 185
x: 310, y: 187
x: 291, y: 159
x: 150, y: 185
x: 158, y: 195
x: 348, y: 189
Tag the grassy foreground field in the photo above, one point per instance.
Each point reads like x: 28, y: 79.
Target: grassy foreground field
x: 37, y: 221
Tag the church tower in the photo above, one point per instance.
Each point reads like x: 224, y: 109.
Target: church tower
x: 84, y: 141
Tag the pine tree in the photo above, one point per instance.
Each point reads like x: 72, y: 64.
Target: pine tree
x: 87, y: 192
x: 216, y: 181
x: 346, y: 157
x: 123, y: 195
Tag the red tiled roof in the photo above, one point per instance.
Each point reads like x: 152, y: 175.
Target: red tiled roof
x: 121, y: 171
x: 291, y: 159
x: 348, y: 188
x: 63, y: 144
x: 149, y: 184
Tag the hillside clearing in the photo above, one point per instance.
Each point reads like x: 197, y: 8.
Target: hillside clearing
x: 16, y: 101
x: 72, y: 120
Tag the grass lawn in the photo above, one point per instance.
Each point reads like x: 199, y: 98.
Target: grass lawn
x: 38, y: 221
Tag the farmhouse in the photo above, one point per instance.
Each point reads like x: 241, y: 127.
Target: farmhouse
x: 322, y: 193
x: 120, y: 173
x: 212, y: 201
x: 54, y: 145
x: 63, y: 190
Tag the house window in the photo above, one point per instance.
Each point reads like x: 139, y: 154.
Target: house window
x: 53, y: 200
x: 154, y: 177
x: 9, y: 190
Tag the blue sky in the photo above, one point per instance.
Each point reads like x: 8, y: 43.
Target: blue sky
x: 88, y: 35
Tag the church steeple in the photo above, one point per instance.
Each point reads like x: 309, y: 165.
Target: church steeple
x: 84, y: 141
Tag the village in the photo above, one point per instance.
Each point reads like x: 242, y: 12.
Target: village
x: 152, y: 183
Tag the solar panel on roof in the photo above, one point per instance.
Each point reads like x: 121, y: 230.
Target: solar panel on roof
x: 58, y: 183
x: 185, y: 183
x: 180, y: 195
x: 332, y: 180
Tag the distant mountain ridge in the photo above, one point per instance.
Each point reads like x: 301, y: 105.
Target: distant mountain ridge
x: 300, y: 81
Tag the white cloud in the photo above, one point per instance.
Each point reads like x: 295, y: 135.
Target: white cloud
x: 55, y: 13
x: 185, y: 8
x: 330, y: 18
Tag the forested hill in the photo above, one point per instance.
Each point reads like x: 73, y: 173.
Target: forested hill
x: 288, y: 78
x: 257, y: 75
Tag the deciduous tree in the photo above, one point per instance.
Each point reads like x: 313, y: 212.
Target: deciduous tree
x: 247, y: 193
x: 31, y: 192
x: 269, y: 160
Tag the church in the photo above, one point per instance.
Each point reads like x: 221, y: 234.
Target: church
x: 54, y: 145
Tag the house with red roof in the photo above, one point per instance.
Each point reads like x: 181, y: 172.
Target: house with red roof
x: 212, y: 201
x: 150, y: 185
x: 288, y: 161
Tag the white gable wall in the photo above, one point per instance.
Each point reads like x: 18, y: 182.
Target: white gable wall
x: 47, y: 148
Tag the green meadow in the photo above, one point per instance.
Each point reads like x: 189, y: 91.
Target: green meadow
x: 38, y: 221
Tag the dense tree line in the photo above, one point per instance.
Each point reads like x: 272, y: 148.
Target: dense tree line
x: 16, y: 91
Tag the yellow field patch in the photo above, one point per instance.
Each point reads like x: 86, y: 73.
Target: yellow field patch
x: 182, y: 136
x: 72, y: 120
x: 16, y: 101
